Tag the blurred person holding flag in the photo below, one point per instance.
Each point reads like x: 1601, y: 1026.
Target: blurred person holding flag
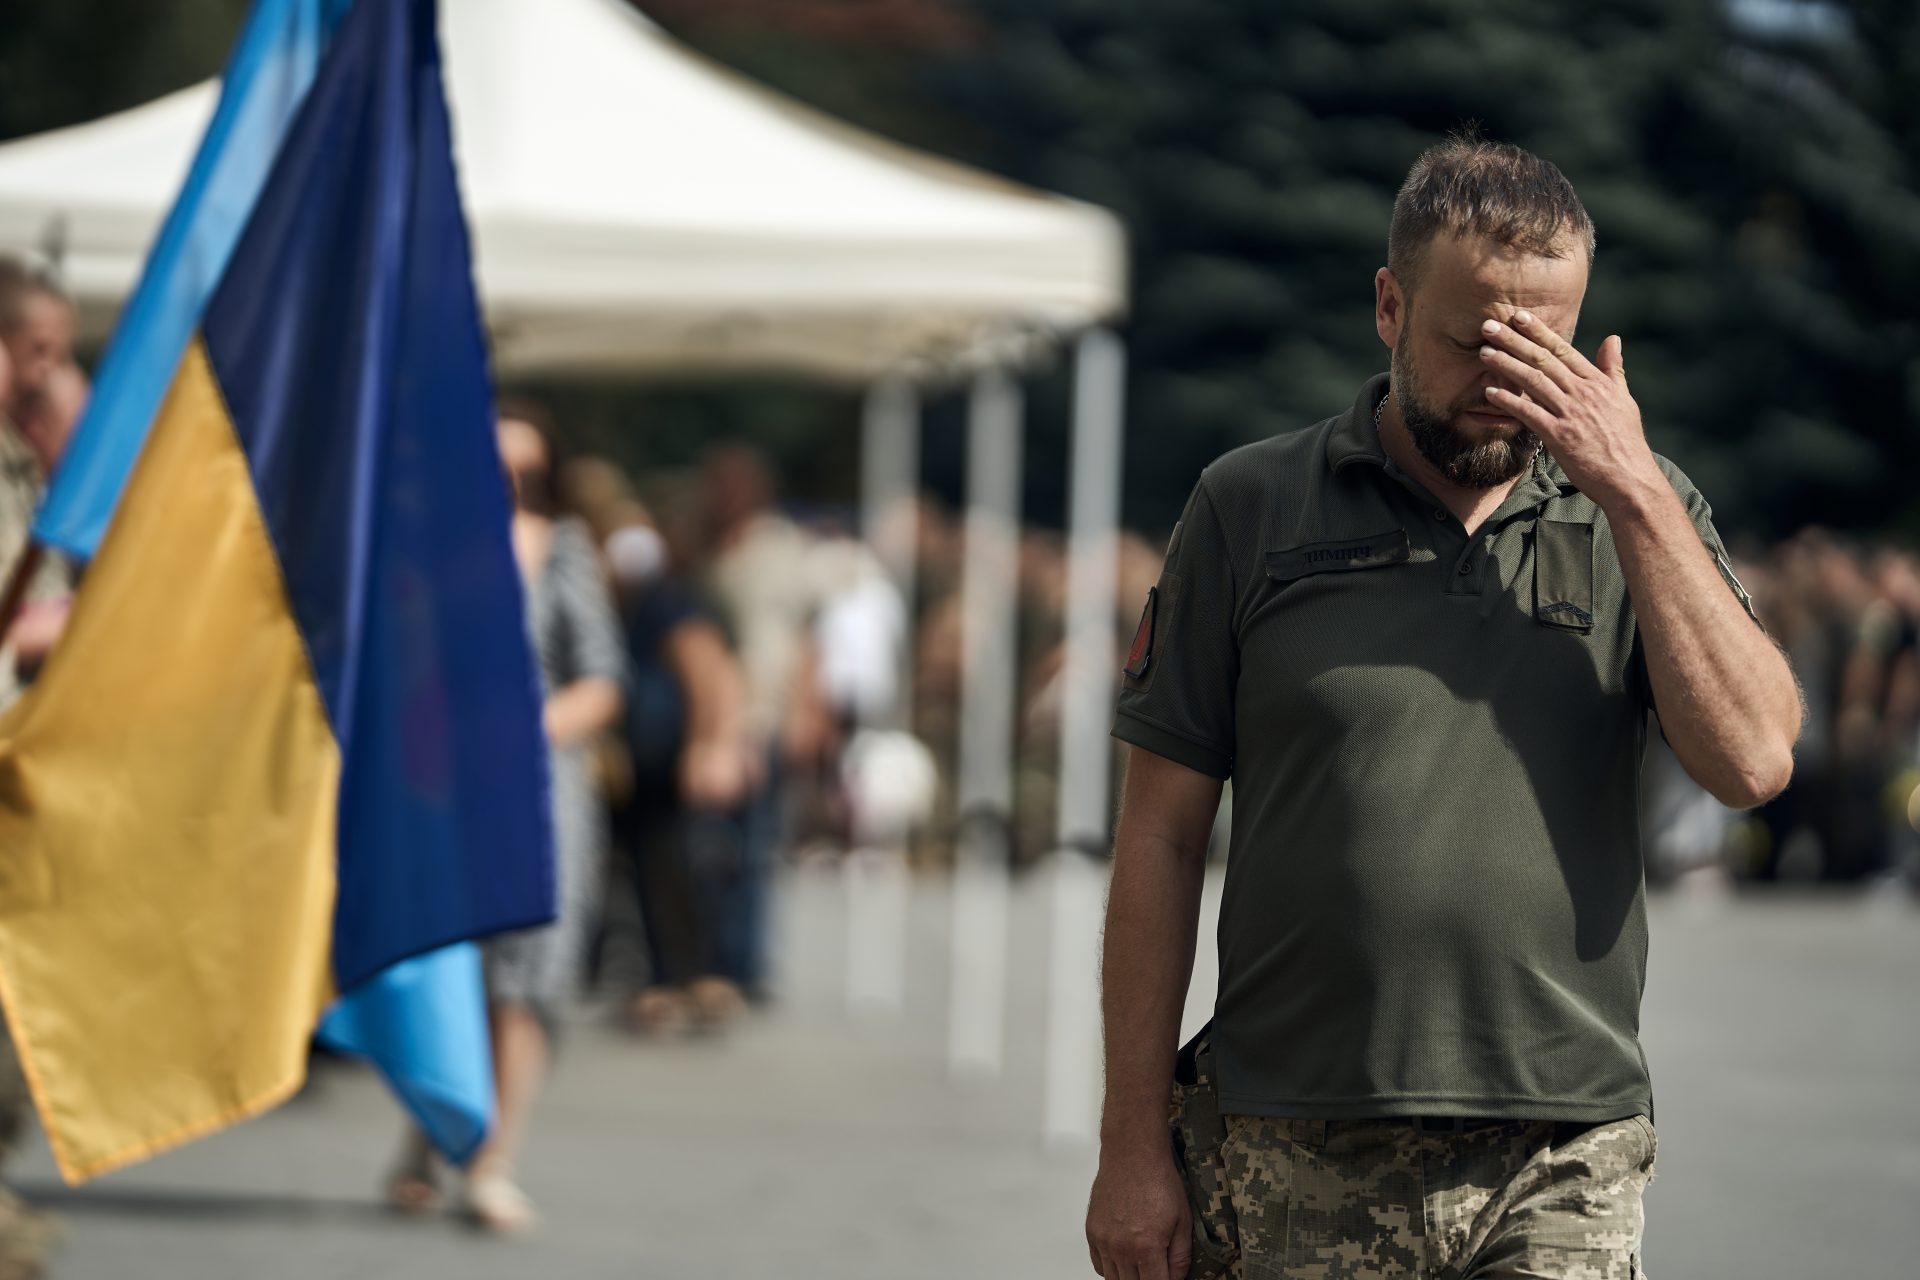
x: 40, y: 393
x: 290, y: 744
x: 38, y: 383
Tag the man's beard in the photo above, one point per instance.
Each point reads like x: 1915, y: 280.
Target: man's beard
x: 1464, y: 462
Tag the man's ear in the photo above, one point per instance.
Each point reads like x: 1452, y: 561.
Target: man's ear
x: 1389, y: 307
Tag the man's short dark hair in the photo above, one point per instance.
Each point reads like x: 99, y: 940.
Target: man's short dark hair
x: 1466, y: 185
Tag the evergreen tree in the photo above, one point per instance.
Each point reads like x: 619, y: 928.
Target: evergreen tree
x: 1751, y: 172
x: 1820, y: 136
x: 76, y: 60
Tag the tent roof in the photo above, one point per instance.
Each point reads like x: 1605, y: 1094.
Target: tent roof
x: 639, y: 208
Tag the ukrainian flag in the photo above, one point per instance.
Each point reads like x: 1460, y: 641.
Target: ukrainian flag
x: 292, y: 736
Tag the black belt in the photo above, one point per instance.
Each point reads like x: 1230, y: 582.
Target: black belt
x: 1448, y: 1124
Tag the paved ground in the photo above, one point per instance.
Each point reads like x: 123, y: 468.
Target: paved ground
x: 1785, y: 1039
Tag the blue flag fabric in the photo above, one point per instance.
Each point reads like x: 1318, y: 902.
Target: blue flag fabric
x: 420, y: 1022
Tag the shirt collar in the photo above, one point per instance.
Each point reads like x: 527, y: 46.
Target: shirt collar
x: 1353, y: 438
x: 1543, y: 482
x: 1556, y: 479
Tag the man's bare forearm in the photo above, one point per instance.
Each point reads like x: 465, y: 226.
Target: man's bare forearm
x: 1726, y: 697
x: 1153, y: 913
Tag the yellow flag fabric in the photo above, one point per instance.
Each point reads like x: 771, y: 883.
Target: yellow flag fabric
x: 166, y: 908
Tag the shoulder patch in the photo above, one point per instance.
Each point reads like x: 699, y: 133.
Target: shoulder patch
x: 1140, y: 655
x: 1739, y: 591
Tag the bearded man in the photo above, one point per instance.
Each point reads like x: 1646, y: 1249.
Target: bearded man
x: 1423, y: 639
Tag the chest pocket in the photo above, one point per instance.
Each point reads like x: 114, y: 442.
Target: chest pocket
x: 1563, y: 575
x: 1343, y: 555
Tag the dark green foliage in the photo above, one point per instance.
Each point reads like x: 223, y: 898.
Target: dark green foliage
x: 67, y: 61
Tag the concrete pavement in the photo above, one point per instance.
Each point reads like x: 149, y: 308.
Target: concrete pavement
x: 1784, y: 1036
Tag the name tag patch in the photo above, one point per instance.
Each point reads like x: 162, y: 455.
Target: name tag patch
x: 1343, y: 555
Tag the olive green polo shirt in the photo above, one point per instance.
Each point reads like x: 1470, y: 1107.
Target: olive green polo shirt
x: 1434, y: 899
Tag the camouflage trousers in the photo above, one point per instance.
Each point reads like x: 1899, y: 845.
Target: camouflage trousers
x: 1281, y: 1199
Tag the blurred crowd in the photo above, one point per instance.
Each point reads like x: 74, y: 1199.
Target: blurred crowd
x: 784, y: 699
x: 1848, y: 614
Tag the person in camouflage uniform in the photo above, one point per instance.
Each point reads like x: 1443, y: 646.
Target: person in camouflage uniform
x: 39, y: 392
x: 1423, y: 639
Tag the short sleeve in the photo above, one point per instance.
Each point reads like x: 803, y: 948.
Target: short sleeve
x: 654, y: 612
x: 673, y: 605
x: 1182, y: 669
x: 1702, y: 516
x: 592, y: 627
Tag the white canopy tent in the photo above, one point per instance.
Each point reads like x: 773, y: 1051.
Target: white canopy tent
x: 639, y: 210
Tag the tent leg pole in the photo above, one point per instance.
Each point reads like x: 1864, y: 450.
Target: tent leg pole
x: 981, y: 884
x: 878, y: 882
x: 1072, y: 1097
x: 889, y: 483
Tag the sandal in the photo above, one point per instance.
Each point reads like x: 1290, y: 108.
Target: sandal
x: 716, y: 1003
x: 413, y: 1189
x: 412, y: 1196
x: 496, y: 1205
x: 660, y: 1011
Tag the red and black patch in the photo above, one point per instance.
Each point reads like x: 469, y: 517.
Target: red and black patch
x: 1140, y: 656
